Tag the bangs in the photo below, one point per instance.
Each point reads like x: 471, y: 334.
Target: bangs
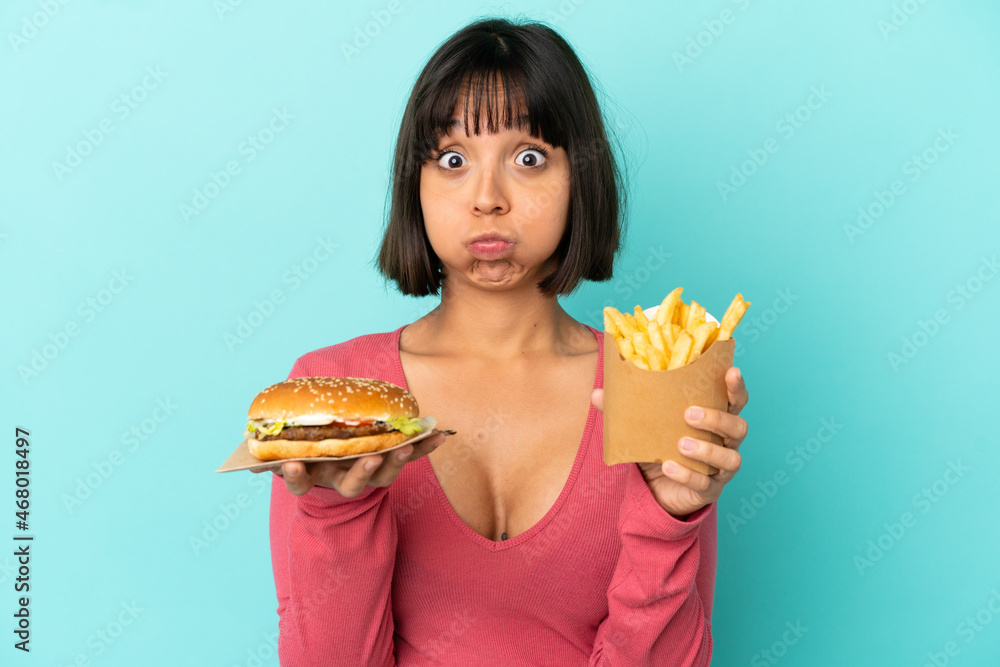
x: 497, y: 96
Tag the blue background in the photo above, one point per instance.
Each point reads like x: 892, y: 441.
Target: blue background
x: 833, y: 301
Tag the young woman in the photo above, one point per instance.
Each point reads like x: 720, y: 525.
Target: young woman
x: 511, y: 543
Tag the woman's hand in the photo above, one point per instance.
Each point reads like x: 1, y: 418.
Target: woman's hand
x: 677, y: 488
x: 350, y: 477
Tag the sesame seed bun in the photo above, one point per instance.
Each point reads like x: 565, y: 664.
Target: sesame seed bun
x: 343, y: 398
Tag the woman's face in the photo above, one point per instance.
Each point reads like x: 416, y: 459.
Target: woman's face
x: 510, y: 185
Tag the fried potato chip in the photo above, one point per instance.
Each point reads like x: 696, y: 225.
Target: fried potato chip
x: 631, y: 324
x: 700, y: 335
x: 695, y: 312
x: 713, y: 332
x: 622, y: 321
x: 640, y: 318
x: 680, y: 351
x: 665, y: 313
x: 671, y: 332
x: 694, y: 325
x: 640, y: 341
x: 610, y: 325
x: 625, y: 346
x: 645, y: 351
x: 657, y: 360
x: 655, y: 334
x: 732, y: 317
x: 681, y: 314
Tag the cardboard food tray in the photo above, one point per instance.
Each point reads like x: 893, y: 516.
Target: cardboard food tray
x: 644, y: 409
x: 242, y: 459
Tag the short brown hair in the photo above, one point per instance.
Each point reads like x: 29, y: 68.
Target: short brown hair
x: 537, y: 66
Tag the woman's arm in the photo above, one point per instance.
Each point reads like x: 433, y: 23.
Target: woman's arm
x: 333, y: 559
x: 657, y: 614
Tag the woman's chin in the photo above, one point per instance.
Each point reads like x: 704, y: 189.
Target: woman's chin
x: 495, y: 275
x: 494, y: 272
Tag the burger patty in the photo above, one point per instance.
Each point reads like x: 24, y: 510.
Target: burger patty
x: 328, y: 431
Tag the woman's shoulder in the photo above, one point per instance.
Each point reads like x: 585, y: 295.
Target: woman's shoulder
x: 367, y: 355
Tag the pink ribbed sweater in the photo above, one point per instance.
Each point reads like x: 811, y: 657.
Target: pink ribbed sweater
x: 395, y: 577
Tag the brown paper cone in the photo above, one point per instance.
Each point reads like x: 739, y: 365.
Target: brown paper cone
x: 644, y: 410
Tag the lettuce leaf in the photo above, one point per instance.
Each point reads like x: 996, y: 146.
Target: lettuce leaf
x: 258, y: 425
x: 408, y: 425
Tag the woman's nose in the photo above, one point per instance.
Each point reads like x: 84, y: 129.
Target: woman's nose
x: 490, y: 196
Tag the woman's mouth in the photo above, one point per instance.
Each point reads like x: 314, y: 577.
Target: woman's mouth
x: 492, y: 247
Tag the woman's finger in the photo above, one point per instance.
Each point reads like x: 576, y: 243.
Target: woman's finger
x: 692, y: 479
x: 426, y: 446
x: 597, y: 398
x: 356, y: 478
x: 392, y: 463
x: 737, y: 390
x: 733, y: 429
x: 351, y: 477
x: 723, y: 458
x: 397, y: 458
x: 297, y: 479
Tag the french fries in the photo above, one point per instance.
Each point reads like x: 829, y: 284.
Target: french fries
x: 732, y: 317
x: 665, y: 313
x: 676, y: 335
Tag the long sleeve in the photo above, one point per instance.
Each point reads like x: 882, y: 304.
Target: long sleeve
x: 333, y: 560
x: 656, y: 614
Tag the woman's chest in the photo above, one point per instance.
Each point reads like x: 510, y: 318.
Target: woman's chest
x: 518, y: 435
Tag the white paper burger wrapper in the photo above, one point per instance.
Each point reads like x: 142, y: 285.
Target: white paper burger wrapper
x: 242, y: 459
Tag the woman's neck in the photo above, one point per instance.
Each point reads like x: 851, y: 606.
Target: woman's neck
x: 506, y: 324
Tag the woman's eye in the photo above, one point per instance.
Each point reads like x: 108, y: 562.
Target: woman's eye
x: 451, y: 160
x: 532, y: 158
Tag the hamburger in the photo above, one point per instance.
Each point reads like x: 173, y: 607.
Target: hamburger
x: 325, y: 416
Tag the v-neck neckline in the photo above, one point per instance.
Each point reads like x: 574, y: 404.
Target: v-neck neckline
x: 427, y: 470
